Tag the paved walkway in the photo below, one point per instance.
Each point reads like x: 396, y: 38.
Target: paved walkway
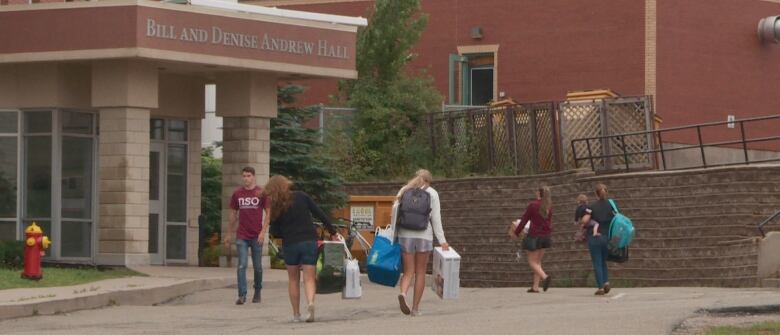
x: 211, y: 310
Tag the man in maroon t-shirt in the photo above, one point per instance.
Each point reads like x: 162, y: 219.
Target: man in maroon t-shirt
x: 247, y: 207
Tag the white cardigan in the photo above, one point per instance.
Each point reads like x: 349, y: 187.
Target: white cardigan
x: 434, y: 226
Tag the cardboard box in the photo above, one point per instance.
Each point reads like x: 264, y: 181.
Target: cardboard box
x: 446, y: 273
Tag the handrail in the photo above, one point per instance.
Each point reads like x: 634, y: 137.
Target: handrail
x: 657, y: 134
x: 769, y: 219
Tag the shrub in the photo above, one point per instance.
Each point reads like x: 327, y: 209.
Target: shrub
x: 11, y: 254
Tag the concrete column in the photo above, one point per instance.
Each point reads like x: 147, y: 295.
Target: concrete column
x: 125, y: 92
x: 247, y: 102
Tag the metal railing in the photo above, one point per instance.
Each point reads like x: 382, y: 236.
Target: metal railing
x: 657, y: 135
x: 765, y: 222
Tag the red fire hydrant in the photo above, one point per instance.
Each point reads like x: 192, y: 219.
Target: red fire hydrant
x: 34, y: 247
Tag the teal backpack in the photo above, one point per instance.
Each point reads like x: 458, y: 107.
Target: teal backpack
x: 621, y: 229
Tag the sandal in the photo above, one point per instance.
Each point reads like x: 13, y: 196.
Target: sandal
x: 546, y: 283
x: 531, y: 290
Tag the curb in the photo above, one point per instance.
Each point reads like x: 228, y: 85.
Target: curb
x: 137, y: 297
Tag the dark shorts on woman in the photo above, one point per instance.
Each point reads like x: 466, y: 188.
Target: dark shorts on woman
x: 533, y: 243
x: 300, y: 253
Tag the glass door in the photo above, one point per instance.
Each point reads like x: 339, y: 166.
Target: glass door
x: 156, y: 192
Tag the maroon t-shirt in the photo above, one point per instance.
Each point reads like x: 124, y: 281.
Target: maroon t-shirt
x: 250, y: 205
x: 540, y: 226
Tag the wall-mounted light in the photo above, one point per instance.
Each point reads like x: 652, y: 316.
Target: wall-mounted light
x: 476, y: 33
x: 769, y: 29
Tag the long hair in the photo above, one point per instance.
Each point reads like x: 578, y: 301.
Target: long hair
x: 278, y: 190
x: 546, y: 201
x: 421, y: 178
x: 601, y: 191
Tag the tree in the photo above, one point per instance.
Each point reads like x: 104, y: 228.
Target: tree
x: 390, y: 102
x: 295, y: 153
x: 211, y: 191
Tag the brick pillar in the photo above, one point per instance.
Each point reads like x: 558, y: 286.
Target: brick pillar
x: 246, y: 142
x: 247, y: 103
x: 124, y: 91
x: 124, y: 186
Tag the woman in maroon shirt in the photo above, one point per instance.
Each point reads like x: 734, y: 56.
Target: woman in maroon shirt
x: 539, y: 213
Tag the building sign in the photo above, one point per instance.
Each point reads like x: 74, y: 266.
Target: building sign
x: 179, y: 33
x: 216, y: 35
x: 362, y: 217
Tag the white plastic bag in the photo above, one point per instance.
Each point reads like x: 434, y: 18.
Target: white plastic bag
x: 389, y: 231
x: 352, y: 286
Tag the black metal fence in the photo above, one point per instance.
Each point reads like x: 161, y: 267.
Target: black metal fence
x: 620, y: 157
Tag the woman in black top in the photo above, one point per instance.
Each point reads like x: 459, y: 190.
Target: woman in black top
x: 600, y: 211
x: 291, y: 219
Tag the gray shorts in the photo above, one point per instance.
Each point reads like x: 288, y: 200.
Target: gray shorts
x: 413, y: 245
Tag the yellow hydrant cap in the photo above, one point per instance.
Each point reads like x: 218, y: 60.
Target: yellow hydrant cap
x: 30, y: 242
x: 46, y: 243
x: 33, y: 228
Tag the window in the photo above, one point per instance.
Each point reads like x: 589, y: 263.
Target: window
x: 473, y: 75
x: 9, y: 151
x: 77, y: 172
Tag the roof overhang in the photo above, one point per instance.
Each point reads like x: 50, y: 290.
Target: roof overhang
x: 193, y: 35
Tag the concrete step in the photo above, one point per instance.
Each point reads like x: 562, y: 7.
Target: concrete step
x: 630, y: 201
x: 642, y: 212
x: 617, y: 282
x: 563, y: 232
x: 770, y: 282
x: 638, y: 242
x: 478, y: 221
x: 515, y: 271
x: 477, y: 262
x: 564, y: 192
x: 636, y: 253
x: 685, y: 250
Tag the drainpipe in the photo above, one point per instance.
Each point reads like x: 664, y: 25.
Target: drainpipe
x: 769, y: 29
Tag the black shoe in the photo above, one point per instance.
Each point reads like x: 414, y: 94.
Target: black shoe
x: 241, y: 300
x: 256, y: 298
x: 546, y: 283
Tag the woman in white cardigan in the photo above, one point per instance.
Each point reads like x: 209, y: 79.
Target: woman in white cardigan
x: 417, y: 245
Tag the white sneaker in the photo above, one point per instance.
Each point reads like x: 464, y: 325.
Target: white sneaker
x: 310, y: 318
x: 296, y: 319
x: 416, y: 313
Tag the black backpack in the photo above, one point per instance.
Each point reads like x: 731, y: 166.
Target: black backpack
x: 415, y: 209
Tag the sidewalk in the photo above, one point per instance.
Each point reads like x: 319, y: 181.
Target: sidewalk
x: 162, y: 284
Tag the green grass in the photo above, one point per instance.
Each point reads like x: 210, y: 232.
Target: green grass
x: 765, y: 328
x: 53, y: 276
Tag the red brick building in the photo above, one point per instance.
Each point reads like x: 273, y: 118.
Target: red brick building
x: 702, y: 60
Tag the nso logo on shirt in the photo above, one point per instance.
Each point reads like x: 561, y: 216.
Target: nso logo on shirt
x: 249, y: 202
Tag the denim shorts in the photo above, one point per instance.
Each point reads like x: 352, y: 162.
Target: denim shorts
x: 412, y: 245
x: 301, y: 253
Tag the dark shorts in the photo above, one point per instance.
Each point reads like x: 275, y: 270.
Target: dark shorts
x: 301, y: 253
x: 533, y: 243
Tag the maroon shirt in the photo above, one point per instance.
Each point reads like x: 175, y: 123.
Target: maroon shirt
x: 540, y: 226
x: 250, y: 205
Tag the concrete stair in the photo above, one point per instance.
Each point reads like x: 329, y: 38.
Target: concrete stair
x: 693, y: 228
